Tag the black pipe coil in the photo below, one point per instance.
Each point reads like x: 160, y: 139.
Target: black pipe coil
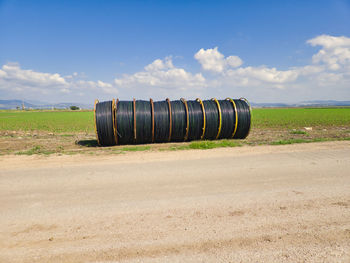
x: 118, y: 120
x: 228, y: 119
x: 212, y: 119
x: 244, y: 119
x: 125, y: 122
x: 161, y: 121
x: 195, y: 114
x: 104, y: 123
x: 179, y: 122
x: 143, y: 114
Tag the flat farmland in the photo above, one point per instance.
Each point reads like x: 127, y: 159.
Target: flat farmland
x: 300, y: 117
x: 71, y: 132
x: 49, y: 121
x: 82, y: 121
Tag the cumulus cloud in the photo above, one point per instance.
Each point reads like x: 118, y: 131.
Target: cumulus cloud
x: 212, y: 60
x: 335, y: 52
x: 12, y: 72
x: 25, y: 83
x: 330, y: 68
x: 230, y: 73
x: 253, y: 76
x: 162, y: 75
x: 327, y: 76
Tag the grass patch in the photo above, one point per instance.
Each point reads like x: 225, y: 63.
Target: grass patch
x: 135, y: 148
x: 67, y: 135
x: 176, y: 148
x: 205, y: 145
x: 36, y: 150
x: 299, y: 132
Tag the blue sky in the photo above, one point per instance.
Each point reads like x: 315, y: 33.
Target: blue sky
x: 81, y: 50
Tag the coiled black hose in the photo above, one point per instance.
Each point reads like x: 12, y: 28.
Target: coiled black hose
x: 195, y: 120
x: 104, y: 123
x: 125, y: 122
x: 179, y: 124
x: 244, y: 118
x: 143, y: 121
x: 161, y: 121
x: 212, y: 119
x: 228, y: 119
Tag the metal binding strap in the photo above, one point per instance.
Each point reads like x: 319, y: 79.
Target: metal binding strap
x: 152, y: 113
x: 187, y: 118
x: 170, y: 119
x: 236, y: 115
x: 114, y: 107
x: 134, y: 111
x: 204, y: 119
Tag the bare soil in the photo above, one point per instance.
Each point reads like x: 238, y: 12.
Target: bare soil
x: 20, y: 142
x: 246, y: 204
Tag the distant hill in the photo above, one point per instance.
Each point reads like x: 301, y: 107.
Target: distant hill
x: 13, y: 104
x: 315, y: 103
x: 319, y: 103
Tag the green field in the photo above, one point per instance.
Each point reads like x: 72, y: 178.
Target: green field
x: 50, y: 121
x: 82, y: 121
x: 300, y: 117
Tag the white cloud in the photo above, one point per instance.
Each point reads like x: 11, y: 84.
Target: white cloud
x: 16, y: 82
x: 330, y: 42
x: 212, y: 60
x: 335, y: 52
x: 13, y: 72
x: 262, y: 74
x: 162, y: 74
x: 327, y: 76
x: 159, y: 64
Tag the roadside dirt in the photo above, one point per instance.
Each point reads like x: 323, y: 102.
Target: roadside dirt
x: 247, y: 204
x: 27, y: 143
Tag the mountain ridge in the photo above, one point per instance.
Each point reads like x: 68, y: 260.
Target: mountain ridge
x: 13, y: 104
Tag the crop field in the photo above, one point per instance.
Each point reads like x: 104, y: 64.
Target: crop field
x: 82, y: 121
x: 50, y: 121
x: 70, y: 132
x: 301, y: 117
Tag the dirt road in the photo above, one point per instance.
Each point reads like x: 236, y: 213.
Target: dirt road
x: 250, y: 204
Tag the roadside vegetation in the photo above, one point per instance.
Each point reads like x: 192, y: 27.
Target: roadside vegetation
x: 72, y: 132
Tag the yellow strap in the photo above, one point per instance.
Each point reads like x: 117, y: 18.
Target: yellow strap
x: 170, y: 119
x: 98, y: 141
x: 236, y: 115
x: 187, y: 117
x: 134, y: 113
x: 204, y: 119
x: 152, y: 113
x: 114, y: 109
x: 220, y: 117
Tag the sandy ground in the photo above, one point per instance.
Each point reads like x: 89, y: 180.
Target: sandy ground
x: 247, y: 204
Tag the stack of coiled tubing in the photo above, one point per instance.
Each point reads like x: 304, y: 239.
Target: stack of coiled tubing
x: 140, y: 121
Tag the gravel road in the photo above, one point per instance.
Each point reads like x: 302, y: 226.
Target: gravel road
x: 246, y: 204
